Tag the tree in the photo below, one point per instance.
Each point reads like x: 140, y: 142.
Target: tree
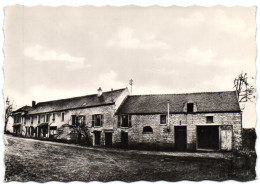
x: 79, y: 129
x: 8, y: 112
x: 245, y: 91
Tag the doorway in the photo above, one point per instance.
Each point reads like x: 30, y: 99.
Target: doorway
x: 208, y: 137
x: 108, y: 139
x: 180, y: 133
x: 97, y: 136
x: 124, y: 140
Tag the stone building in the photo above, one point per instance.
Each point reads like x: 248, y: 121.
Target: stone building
x: 73, y: 118
x: 192, y: 121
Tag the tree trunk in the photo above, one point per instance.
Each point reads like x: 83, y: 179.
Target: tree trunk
x: 5, y: 126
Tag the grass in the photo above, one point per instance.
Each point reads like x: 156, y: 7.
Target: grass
x: 30, y: 160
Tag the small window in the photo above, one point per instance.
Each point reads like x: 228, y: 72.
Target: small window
x: 38, y: 119
x: 53, y: 116
x: 62, y: 116
x: 147, y: 130
x: 125, y: 121
x: 73, y: 120
x: 210, y: 119
x: 47, y: 118
x: 53, y: 130
x: 78, y: 120
x: 163, y: 119
x: 97, y: 120
x: 190, y: 107
x: 43, y: 118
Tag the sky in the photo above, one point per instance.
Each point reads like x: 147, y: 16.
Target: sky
x: 61, y: 52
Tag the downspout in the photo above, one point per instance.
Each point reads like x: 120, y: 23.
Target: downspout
x: 168, y: 116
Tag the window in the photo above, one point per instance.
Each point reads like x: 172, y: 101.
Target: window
x: 209, y: 119
x: 53, y: 130
x: 163, y: 119
x: 43, y: 118
x: 17, y: 118
x: 47, y: 118
x: 97, y: 120
x: 27, y: 120
x: 31, y: 119
x: 53, y: 116
x: 38, y: 119
x: 73, y: 120
x: 125, y: 121
x: 78, y: 120
x: 189, y: 107
x: 147, y: 130
x: 62, y: 116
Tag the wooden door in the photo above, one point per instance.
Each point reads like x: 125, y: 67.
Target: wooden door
x: 108, y: 139
x: 124, y: 139
x: 180, y: 133
x: 208, y: 137
x: 97, y: 138
x: 226, y: 138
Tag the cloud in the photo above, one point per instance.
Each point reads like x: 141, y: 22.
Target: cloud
x: 125, y: 39
x: 233, y: 24
x: 193, y: 54
x: 37, y: 52
x: 194, y: 19
x: 110, y: 80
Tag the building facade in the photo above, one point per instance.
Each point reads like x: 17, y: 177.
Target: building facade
x: 192, y: 121
x: 195, y: 121
x: 91, y: 116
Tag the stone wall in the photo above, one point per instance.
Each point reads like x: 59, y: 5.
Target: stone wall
x: 164, y: 138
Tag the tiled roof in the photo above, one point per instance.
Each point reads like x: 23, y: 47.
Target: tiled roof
x: 77, y: 102
x: 205, y: 102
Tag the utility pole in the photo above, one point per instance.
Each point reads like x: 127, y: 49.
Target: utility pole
x: 131, y: 82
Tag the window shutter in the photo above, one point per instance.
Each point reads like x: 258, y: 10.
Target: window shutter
x: 101, y: 120
x: 73, y: 119
x: 129, y: 121
x: 118, y: 121
x: 84, y: 120
x: 93, y: 120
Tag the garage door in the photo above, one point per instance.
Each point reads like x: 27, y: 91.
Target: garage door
x: 208, y: 137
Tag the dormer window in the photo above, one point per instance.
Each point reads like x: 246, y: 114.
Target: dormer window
x: 190, y: 107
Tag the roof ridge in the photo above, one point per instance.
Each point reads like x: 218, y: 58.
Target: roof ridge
x: 79, y: 96
x: 182, y: 93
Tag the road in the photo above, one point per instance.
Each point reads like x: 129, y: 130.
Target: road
x: 41, y: 161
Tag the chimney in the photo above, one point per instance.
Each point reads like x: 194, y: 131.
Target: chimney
x: 33, y: 103
x: 99, y: 92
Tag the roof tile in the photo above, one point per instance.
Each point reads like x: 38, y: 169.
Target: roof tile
x: 155, y: 104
